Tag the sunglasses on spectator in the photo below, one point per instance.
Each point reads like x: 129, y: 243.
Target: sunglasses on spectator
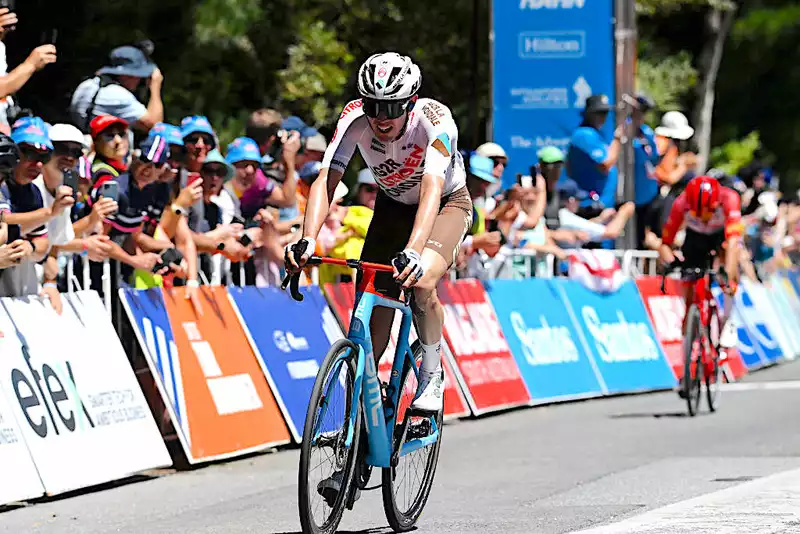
x: 215, y: 170
x: 66, y: 150
x: 195, y: 138
x: 370, y: 188
x: 33, y: 155
x: 498, y: 160
x: 244, y: 164
x: 111, y: 134
x: 390, y: 109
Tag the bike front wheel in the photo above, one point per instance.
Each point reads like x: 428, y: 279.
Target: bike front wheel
x: 693, y: 361
x: 407, y: 485
x: 329, y: 422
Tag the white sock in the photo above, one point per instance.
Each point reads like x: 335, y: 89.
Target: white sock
x: 431, y: 358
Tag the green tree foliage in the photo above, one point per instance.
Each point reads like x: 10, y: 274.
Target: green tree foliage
x: 736, y: 153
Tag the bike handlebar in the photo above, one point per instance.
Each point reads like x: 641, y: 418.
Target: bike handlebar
x: 692, y: 273
x: 293, y: 279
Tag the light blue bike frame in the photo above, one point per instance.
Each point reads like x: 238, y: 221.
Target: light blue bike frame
x: 380, y: 419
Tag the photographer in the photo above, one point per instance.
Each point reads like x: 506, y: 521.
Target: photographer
x: 111, y: 91
x: 11, y: 247
x: 12, y: 82
x: 27, y: 217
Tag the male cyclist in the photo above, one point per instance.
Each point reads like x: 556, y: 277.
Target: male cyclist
x: 713, y: 219
x: 423, y: 209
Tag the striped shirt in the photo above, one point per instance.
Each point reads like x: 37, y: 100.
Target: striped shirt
x: 26, y: 198
x: 134, y: 204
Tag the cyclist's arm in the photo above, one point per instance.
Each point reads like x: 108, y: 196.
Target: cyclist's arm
x: 334, y: 163
x: 673, y: 224
x: 731, y: 205
x: 430, y: 196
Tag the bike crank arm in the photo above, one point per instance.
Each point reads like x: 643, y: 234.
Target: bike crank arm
x: 432, y: 434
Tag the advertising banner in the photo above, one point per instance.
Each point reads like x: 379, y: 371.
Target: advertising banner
x: 782, y: 318
x: 618, y: 334
x: 342, y: 300
x: 73, y: 393
x: 760, y: 340
x: 572, y: 41
x: 544, y: 339
x: 211, y: 381
x: 20, y: 480
x: 291, y: 340
x: 476, y: 338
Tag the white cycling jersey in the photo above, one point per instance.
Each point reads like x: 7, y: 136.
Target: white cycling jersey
x: 429, y: 145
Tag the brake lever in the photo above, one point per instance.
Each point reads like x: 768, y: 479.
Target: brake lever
x: 294, y: 288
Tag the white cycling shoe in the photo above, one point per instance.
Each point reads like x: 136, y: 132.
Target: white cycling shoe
x: 729, y: 337
x: 430, y: 393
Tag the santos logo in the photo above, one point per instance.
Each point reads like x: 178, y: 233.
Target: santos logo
x: 551, y: 4
x: 545, y: 345
x: 286, y: 342
x: 622, y: 341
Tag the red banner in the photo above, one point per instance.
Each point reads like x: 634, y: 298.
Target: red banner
x: 471, y: 328
x: 666, y: 312
x: 342, y: 300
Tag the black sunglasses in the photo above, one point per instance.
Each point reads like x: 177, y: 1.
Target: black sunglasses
x: 215, y: 170
x: 67, y: 150
x: 193, y: 139
x: 390, y: 109
x: 33, y: 155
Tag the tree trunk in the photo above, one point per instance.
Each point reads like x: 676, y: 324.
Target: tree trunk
x: 718, y: 24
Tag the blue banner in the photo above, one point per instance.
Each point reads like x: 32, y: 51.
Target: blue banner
x: 543, y: 339
x: 620, y: 337
x: 291, y: 338
x: 148, y: 313
x: 759, y: 335
x: 549, y: 56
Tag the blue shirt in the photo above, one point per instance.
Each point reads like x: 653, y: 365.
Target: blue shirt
x: 25, y: 198
x: 646, y: 159
x: 588, y: 149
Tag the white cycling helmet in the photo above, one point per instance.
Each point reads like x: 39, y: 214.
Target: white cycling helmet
x: 389, y: 76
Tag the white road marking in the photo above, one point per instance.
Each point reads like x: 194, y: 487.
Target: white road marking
x: 761, y: 386
x: 764, y: 506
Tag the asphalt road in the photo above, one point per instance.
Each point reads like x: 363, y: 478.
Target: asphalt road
x: 550, y: 469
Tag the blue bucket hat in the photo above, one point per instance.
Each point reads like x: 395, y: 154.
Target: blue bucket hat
x: 155, y: 150
x: 215, y: 157
x: 309, y: 171
x: 196, y: 124
x: 168, y: 131
x: 569, y: 188
x: 31, y: 131
x: 295, y: 123
x: 129, y: 61
x: 243, y: 149
x: 482, y: 168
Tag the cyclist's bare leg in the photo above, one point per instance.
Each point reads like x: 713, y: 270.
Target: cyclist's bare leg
x: 428, y: 311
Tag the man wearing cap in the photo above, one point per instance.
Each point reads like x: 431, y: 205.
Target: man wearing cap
x: 27, y: 206
x: 494, y: 152
x: 111, y: 91
x: 591, y: 161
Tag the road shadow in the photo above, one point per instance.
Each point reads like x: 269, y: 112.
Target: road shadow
x: 375, y: 530
x: 647, y: 415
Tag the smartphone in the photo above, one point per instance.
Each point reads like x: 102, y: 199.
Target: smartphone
x: 491, y: 225
x: 168, y: 256
x: 8, y: 4
x: 245, y: 240
x: 14, y: 233
x: 49, y: 37
x: 237, y: 219
x: 71, y: 180
x: 192, y: 178
x: 525, y: 181
x: 110, y: 189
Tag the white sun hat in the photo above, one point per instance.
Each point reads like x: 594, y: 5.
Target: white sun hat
x: 675, y: 125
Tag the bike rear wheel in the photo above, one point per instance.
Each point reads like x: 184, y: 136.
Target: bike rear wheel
x: 693, y: 361
x: 407, y: 486
x: 328, y: 422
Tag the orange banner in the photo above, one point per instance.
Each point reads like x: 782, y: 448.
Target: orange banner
x: 230, y: 407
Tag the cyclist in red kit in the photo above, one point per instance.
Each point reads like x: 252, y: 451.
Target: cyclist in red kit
x: 713, y: 220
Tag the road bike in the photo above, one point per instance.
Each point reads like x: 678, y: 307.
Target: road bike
x: 701, y: 350
x: 371, y: 424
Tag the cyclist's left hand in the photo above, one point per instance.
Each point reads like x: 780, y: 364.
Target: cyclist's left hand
x: 413, y: 271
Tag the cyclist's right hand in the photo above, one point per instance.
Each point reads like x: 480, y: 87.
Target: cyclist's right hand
x: 296, y: 254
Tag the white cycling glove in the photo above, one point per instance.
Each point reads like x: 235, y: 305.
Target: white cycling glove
x: 312, y: 246
x: 414, y: 262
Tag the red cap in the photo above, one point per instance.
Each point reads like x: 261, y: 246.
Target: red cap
x: 102, y: 122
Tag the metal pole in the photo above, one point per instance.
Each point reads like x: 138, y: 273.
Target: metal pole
x: 490, y: 119
x: 625, y: 36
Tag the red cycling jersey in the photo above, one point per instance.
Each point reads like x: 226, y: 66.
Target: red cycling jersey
x: 727, y: 216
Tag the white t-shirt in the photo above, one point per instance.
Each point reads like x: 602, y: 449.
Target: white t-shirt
x: 429, y: 145
x: 4, y: 102
x: 59, y: 229
x: 113, y: 99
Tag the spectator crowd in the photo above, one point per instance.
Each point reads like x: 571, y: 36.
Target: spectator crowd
x: 165, y: 205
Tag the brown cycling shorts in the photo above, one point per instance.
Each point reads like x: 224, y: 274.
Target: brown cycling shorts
x: 391, y: 227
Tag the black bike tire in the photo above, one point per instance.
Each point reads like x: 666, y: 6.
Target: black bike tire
x: 307, y: 522
x: 692, y: 385
x: 713, y: 386
x: 399, y: 521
